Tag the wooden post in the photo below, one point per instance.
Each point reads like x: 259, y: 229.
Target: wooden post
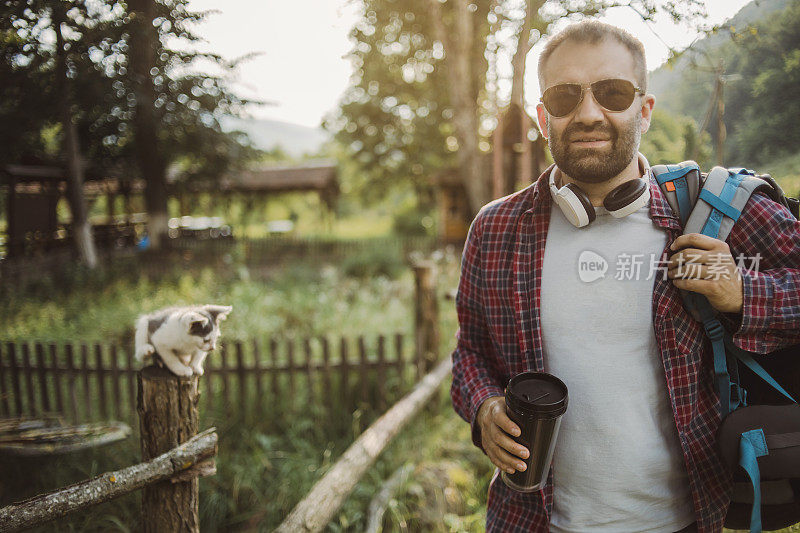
x: 168, y: 417
x: 426, y: 317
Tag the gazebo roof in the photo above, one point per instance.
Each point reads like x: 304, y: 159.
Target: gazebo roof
x: 317, y: 176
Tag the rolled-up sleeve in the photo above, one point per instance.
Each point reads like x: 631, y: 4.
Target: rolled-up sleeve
x: 766, y: 242
x: 474, y: 378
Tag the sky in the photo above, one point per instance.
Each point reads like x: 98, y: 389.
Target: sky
x: 301, y: 69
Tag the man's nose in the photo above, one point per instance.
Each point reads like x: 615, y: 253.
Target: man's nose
x: 589, y: 111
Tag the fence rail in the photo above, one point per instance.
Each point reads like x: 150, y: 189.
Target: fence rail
x: 87, y: 381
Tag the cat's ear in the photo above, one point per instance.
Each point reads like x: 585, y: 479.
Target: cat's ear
x: 218, y: 312
x: 192, y: 318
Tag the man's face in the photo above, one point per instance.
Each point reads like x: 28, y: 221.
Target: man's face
x: 592, y: 144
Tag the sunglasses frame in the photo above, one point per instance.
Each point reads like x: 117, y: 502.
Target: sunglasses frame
x: 588, y: 86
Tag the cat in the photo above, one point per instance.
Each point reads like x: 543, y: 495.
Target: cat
x: 181, y: 336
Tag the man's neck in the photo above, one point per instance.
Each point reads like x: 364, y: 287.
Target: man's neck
x: 597, y: 191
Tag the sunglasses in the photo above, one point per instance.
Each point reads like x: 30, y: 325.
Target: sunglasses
x: 613, y: 94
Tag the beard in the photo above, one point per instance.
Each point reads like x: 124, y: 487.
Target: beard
x: 593, y: 165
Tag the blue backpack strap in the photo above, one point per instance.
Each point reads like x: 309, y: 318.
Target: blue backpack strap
x: 751, y: 363
x: 752, y: 445
x: 680, y: 185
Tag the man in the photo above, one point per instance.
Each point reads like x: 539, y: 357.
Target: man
x: 636, y: 449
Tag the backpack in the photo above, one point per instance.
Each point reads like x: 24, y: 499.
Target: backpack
x: 760, y: 431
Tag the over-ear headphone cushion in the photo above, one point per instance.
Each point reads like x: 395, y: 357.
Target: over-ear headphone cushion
x: 625, y: 194
x: 584, y: 200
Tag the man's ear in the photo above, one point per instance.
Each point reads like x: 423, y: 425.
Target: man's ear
x: 541, y: 114
x: 648, y: 102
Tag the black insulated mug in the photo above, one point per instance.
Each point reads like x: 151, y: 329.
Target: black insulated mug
x: 535, y: 401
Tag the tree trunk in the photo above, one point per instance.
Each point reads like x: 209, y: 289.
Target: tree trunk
x: 458, y: 44
x: 143, y: 47
x: 534, y: 157
x: 168, y: 416
x: 81, y: 229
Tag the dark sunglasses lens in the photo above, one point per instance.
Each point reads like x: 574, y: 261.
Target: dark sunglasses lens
x: 614, y: 95
x: 561, y: 99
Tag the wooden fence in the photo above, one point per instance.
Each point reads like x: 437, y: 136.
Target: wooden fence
x: 86, y: 382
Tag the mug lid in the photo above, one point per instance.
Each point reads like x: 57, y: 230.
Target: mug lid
x: 537, y: 393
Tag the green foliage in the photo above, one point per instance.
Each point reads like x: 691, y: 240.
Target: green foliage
x: 191, y: 89
x: 375, y: 262
x: 767, y: 102
x: 299, y: 298
x: 396, y: 122
x: 410, y: 219
x: 757, y: 55
x: 394, y: 119
x: 673, y: 138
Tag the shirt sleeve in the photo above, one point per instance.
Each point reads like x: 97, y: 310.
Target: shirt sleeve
x: 765, y: 242
x: 474, y: 378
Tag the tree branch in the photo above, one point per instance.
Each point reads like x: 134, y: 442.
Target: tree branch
x: 46, y: 507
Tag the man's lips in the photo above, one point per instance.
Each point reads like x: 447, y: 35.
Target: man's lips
x: 589, y: 142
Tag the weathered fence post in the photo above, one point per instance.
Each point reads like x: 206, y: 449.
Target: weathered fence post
x: 426, y: 317
x: 168, y: 416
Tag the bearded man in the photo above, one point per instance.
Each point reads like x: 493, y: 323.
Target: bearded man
x: 636, y: 448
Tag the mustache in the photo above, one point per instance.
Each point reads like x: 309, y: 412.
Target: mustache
x: 601, y: 130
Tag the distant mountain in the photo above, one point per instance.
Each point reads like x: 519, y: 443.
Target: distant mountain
x: 664, y: 78
x: 296, y: 140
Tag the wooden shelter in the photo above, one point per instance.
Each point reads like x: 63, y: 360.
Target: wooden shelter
x: 320, y: 177
x: 32, y: 196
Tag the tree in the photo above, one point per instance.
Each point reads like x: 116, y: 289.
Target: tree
x: 423, y: 95
x: 138, y: 96
x: 763, y: 105
x: 81, y: 229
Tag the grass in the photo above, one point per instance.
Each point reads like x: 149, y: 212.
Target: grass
x: 301, y: 299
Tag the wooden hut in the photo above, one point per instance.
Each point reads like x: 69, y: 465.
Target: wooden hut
x: 32, y: 196
x: 319, y: 177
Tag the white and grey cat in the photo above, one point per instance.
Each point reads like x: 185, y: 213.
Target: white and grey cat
x: 181, y: 336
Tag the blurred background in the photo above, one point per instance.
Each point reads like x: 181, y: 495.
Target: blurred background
x: 296, y: 160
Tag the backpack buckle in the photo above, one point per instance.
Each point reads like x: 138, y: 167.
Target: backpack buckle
x: 738, y: 396
x: 714, y: 329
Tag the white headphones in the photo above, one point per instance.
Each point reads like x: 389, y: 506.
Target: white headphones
x: 623, y: 200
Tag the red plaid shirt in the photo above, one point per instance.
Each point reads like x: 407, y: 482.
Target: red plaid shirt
x: 500, y: 333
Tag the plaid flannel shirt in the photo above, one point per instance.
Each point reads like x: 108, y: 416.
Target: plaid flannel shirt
x: 500, y: 333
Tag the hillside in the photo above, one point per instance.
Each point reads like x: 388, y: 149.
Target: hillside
x: 665, y: 77
x: 267, y: 134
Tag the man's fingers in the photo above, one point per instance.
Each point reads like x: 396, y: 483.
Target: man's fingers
x: 508, y: 444
x: 709, y: 272
x: 504, y: 460
x: 697, y: 240
x: 500, y: 418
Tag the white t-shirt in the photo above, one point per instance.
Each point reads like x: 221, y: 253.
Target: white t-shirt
x: 618, y: 465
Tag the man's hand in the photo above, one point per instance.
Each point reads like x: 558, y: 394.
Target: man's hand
x: 495, y: 428
x: 705, y: 265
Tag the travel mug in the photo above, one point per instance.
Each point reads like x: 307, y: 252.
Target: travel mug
x: 535, y: 401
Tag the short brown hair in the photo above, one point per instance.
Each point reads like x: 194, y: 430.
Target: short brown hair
x: 594, y: 31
